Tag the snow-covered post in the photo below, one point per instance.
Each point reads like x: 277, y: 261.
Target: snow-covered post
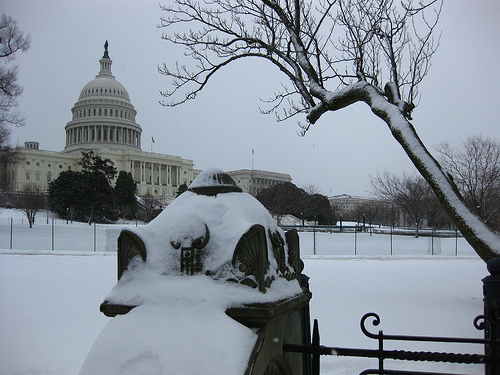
x: 491, y: 291
x: 213, y: 255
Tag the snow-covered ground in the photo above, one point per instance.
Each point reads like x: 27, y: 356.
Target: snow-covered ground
x: 49, y: 299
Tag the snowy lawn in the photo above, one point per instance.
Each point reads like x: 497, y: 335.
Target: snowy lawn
x: 49, y: 300
x: 427, y: 296
x: 50, y: 315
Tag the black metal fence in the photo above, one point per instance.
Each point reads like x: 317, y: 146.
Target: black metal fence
x: 489, y: 323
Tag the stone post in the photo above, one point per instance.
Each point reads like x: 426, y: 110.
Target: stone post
x: 491, y: 292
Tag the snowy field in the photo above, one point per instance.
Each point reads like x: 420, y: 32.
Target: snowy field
x: 49, y: 314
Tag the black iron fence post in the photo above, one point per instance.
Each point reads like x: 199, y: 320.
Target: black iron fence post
x: 306, y: 325
x: 315, y: 365
x: 11, y: 231
x: 491, y: 292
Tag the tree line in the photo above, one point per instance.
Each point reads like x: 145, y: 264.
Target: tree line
x: 304, y: 204
x: 88, y: 194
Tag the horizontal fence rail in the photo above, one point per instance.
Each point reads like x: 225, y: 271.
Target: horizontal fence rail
x: 315, y: 349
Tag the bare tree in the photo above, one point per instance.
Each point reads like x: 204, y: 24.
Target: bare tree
x: 476, y: 171
x: 148, y: 208
x: 311, y: 189
x: 334, y: 53
x: 12, y: 40
x: 8, y: 155
x: 410, y: 193
x: 389, y: 214
x: 369, y: 214
x: 436, y: 215
x: 30, y: 201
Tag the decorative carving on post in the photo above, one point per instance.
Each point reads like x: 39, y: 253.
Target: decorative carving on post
x: 191, y: 257
x: 130, y: 246
x: 250, y: 257
x: 292, y: 239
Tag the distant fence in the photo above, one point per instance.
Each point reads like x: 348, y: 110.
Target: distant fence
x: 410, y: 231
x: 57, y: 234
x: 51, y: 233
x: 329, y: 240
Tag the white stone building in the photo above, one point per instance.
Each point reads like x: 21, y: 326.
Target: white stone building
x: 346, y: 205
x: 349, y: 205
x: 103, y: 121
x: 252, y: 181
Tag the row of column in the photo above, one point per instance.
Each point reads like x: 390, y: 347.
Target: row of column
x: 103, y: 133
x: 155, y: 173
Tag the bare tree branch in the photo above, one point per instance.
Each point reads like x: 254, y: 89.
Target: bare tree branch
x: 12, y: 40
x: 335, y: 53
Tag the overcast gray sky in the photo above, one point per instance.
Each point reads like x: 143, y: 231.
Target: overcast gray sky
x: 222, y: 126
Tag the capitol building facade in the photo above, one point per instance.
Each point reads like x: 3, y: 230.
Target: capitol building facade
x: 103, y: 121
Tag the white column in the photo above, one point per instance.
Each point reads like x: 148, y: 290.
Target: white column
x: 159, y: 175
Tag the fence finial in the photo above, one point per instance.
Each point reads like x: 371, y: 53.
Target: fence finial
x: 494, y: 266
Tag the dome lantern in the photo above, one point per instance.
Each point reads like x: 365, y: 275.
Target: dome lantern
x: 105, y: 62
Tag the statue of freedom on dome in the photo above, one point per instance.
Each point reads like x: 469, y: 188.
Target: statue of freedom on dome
x: 105, y: 56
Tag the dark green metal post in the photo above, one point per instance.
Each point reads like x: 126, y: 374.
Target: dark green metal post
x: 306, y: 327
x: 491, y: 292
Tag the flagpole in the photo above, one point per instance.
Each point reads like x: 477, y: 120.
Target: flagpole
x: 252, y: 158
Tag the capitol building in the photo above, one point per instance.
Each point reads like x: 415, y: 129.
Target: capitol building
x: 103, y: 121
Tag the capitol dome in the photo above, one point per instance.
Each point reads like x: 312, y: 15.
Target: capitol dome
x: 104, y: 86
x: 103, y: 116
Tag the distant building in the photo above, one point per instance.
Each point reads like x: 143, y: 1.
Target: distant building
x: 346, y: 205
x: 350, y: 207
x: 253, y: 181
x: 103, y: 121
